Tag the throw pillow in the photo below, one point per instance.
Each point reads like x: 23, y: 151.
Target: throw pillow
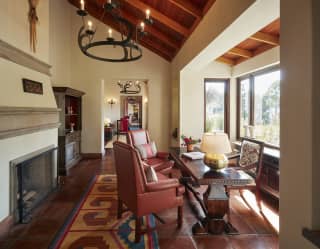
x: 151, y: 175
x: 147, y: 151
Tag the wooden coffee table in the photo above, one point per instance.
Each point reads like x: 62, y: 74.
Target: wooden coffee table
x: 215, y: 201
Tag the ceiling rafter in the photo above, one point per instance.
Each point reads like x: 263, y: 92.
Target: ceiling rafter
x: 266, y: 38
x: 188, y: 7
x: 240, y: 52
x: 172, y: 24
x: 226, y: 60
x: 197, y: 21
x: 208, y: 6
x: 154, y: 32
x: 157, y: 49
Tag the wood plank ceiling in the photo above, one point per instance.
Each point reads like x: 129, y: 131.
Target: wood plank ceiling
x: 263, y: 40
x: 174, y: 20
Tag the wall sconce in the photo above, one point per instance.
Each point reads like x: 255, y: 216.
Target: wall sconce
x: 111, y: 102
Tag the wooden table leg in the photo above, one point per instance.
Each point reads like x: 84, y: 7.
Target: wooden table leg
x: 217, y: 203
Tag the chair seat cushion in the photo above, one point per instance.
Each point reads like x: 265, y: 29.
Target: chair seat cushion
x: 155, y: 161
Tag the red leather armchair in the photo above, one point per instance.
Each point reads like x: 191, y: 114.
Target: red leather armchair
x: 161, y: 161
x: 139, y: 196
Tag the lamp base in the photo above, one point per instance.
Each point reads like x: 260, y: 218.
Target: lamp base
x: 215, y: 161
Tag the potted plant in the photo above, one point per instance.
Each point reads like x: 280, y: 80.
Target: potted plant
x: 189, y: 142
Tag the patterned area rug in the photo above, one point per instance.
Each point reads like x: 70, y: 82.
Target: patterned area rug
x: 95, y: 224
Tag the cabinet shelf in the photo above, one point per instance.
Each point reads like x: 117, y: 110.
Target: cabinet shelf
x: 69, y: 100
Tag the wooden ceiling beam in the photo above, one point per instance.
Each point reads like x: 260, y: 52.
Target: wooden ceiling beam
x: 160, y: 17
x: 156, y: 48
x: 188, y: 7
x: 226, y: 60
x: 240, y: 52
x: 266, y: 38
x: 152, y: 31
x: 207, y: 6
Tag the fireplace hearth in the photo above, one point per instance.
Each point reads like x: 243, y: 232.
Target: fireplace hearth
x: 33, y: 177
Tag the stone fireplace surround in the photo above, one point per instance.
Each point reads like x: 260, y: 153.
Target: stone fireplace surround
x: 20, y: 121
x: 23, y: 129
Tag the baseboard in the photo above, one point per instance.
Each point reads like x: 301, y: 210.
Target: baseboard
x: 92, y: 155
x: 6, y: 225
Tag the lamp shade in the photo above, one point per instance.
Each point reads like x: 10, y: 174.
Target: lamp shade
x: 215, y: 143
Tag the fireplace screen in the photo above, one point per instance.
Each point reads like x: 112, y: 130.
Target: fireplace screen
x: 34, y: 177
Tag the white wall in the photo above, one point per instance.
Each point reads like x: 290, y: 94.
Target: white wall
x: 60, y: 42
x: 87, y: 75
x: 14, y: 26
x: 299, y: 132
x: 14, y: 29
x: 192, y: 97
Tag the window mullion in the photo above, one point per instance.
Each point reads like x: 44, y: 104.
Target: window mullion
x: 251, y: 78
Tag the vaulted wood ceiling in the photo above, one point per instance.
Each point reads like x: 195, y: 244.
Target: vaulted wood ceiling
x: 263, y: 40
x: 174, y: 20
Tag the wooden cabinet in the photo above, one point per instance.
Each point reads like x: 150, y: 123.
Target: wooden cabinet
x: 270, y: 175
x: 70, y: 102
x: 108, y: 133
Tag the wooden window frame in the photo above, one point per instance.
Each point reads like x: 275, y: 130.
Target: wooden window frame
x: 226, y: 83
x: 251, y: 76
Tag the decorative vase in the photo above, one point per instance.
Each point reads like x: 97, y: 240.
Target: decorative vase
x: 189, y: 147
x: 252, y: 131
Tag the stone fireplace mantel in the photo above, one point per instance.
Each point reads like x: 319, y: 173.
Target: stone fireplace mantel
x: 17, y: 121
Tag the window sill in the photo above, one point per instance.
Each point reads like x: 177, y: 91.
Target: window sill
x: 272, y: 152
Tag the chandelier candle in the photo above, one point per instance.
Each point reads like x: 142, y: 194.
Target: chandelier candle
x: 90, y: 25
x: 82, y: 4
x: 109, y: 33
x: 142, y: 26
x: 147, y: 14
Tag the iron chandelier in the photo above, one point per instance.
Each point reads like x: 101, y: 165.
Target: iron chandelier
x: 128, y: 87
x: 130, y: 34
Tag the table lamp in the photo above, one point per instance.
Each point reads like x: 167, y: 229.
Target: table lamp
x: 215, y: 146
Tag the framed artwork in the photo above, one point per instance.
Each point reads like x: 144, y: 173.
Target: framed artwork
x: 30, y: 86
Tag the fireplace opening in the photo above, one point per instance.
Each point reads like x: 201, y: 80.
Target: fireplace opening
x: 33, y: 177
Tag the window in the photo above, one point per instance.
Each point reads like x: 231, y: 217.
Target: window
x: 259, y: 105
x: 216, y: 105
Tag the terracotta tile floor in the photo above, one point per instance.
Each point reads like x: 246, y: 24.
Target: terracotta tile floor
x: 255, y: 231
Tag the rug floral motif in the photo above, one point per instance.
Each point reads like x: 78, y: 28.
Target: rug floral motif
x: 95, y: 224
